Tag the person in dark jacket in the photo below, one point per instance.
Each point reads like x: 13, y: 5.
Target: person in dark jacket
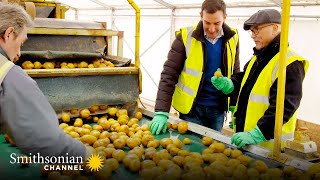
x: 186, y: 80
x: 26, y: 115
x: 254, y: 115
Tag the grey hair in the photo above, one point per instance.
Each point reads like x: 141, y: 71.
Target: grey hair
x: 13, y: 15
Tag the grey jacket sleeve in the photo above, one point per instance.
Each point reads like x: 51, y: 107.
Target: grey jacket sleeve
x: 27, y: 116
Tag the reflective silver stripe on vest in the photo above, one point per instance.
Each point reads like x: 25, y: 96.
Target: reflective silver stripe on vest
x: 275, y: 70
x: 185, y: 88
x: 259, y: 98
x: 189, y: 39
x: 192, y: 72
x: 284, y: 137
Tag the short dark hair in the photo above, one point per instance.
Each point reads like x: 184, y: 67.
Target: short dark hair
x: 212, y: 6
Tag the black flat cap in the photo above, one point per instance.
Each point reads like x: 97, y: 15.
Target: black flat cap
x: 263, y: 17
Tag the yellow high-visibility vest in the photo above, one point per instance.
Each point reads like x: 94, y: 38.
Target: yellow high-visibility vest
x: 5, y: 66
x: 189, y: 80
x: 258, y: 101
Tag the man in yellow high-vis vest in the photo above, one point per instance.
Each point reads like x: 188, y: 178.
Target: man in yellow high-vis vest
x: 26, y: 115
x: 254, y: 115
x: 188, y: 74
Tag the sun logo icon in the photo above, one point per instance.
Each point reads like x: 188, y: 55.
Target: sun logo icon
x: 95, y: 162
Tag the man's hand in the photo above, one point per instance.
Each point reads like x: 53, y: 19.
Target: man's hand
x: 254, y: 136
x: 159, y: 122
x: 223, y: 84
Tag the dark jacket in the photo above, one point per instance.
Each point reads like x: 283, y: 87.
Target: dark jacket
x: 293, y: 90
x: 175, y: 63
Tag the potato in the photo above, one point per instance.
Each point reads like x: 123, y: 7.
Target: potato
x: 152, y: 144
x: 112, y: 163
x: 245, y: 160
x: 260, y: 166
x: 84, y: 113
x: 119, y: 143
x: 174, y: 126
x: 94, y: 108
x: 109, y: 151
x: 217, y: 147
x: 146, y: 139
x: 95, y: 133
x: 207, y: 141
x: 149, y: 154
x: 160, y: 156
x: 114, y: 126
x: 65, y: 117
x: 178, y: 143
x: 165, y: 141
x: 84, y: 131
x: 97, y: 127
x: 48, y: 65
x: 69, y: 128
x: 138, y: 115
x: 63, y: 125
x: 129, y: 157
x: 124, y: 128
x: 112, y: 111
x: 164, y: 163
x: 183, y: 127
x: 118, y: 155
x: 88, y: 139
x: 104, y: 134
x: 186, y: 141
x: 183, y: 153
x: 87, y: 126
x: 133, y: 142
x: 78, y: 122
x: 74, y: 134
x: 235, y: 153
x: 147, y: 164
x: 123, y: 119
x: 122, y: 112
x: 132, y: 121
x: 178, y: 160
x: 227, y: 152
x: 37, y: 65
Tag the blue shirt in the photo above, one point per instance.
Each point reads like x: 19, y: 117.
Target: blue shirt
x: 209, y: 95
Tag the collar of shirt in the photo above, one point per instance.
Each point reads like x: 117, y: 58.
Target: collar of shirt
x: 213, y: 41
x: 4, y: 53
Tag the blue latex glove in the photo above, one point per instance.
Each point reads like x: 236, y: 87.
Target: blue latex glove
x: 254, y: 136
x: 159, y: 122
x: 223, y: 84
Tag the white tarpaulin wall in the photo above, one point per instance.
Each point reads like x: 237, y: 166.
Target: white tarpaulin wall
x: 159, y: 22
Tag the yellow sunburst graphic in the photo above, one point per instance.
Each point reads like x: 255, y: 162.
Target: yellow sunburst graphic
x: 95, y: 162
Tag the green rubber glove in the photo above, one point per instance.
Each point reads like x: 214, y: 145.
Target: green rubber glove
x: 231, y: 109
x: 230, y: 125
x: 254, y: 136
x: 223, y: 84
x: 159, y: 122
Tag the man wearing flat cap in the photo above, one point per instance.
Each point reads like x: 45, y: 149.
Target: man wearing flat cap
x: 254, y: 115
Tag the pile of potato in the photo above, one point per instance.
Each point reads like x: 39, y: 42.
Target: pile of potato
x: 119, y: 138
x: 97, y: 63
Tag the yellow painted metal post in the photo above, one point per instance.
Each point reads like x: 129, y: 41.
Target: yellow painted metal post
x: 285, y: 19
x: 137, y: 38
